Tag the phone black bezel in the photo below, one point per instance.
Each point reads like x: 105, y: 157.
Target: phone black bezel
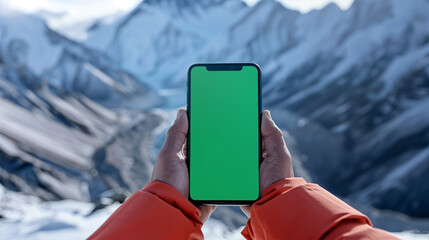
x: 223, y: 67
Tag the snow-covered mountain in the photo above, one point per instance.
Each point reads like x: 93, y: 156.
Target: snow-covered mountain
x: 65, y: 110
x: 350, y: 87
x: 368, y: 82
x: 26, y: 41
x: 358, y: 77
x: 159, y: 38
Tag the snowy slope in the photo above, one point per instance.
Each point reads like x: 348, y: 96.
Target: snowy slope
x: 57, y: 147
x: 27, y: 40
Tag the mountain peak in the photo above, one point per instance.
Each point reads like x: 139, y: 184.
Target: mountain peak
x: 331, y: 7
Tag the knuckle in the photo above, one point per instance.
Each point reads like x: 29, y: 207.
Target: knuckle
x: 276, y: 132
x: 175, y: 129
x: 286, y: 156
x: 279, y: 132
x: 172, y: 130
x: 167, y: 152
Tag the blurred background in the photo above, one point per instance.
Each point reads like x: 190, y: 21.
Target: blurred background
x: 89, y: 88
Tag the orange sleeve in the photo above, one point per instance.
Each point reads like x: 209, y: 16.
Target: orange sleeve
x: 158, y: 211
x: 293, y: 209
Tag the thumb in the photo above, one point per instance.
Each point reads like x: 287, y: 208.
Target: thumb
x: 206, y: 212
x: 272, y: 135
x: 176, y: 135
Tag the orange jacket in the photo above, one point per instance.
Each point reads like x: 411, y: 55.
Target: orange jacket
x: 288, y: 209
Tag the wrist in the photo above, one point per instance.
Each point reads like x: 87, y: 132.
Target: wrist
x: 179, y: 189
x: 285, y: 184
x: 173, y: 197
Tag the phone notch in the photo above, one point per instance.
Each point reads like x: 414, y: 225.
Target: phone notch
x: 224, y: 67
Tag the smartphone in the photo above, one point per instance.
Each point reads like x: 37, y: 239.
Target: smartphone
x: 224, y: 138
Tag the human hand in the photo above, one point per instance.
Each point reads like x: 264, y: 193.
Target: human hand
x: 170, y: 166
x: 276, y: 159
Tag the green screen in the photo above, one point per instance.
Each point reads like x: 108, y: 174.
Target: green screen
x: 224, y: 134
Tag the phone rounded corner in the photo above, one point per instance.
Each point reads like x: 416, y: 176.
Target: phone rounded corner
x: 191, y: 199
x: 192, y: 66
x: 257, y: 196
x: 253, y: 64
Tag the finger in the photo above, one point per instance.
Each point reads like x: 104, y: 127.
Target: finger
x: 206, y: 212
x: 272, y: 136
x: 176, y: 135
x: 246, y: 210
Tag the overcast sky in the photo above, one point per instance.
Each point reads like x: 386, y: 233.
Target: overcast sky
x: 72, y: 16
